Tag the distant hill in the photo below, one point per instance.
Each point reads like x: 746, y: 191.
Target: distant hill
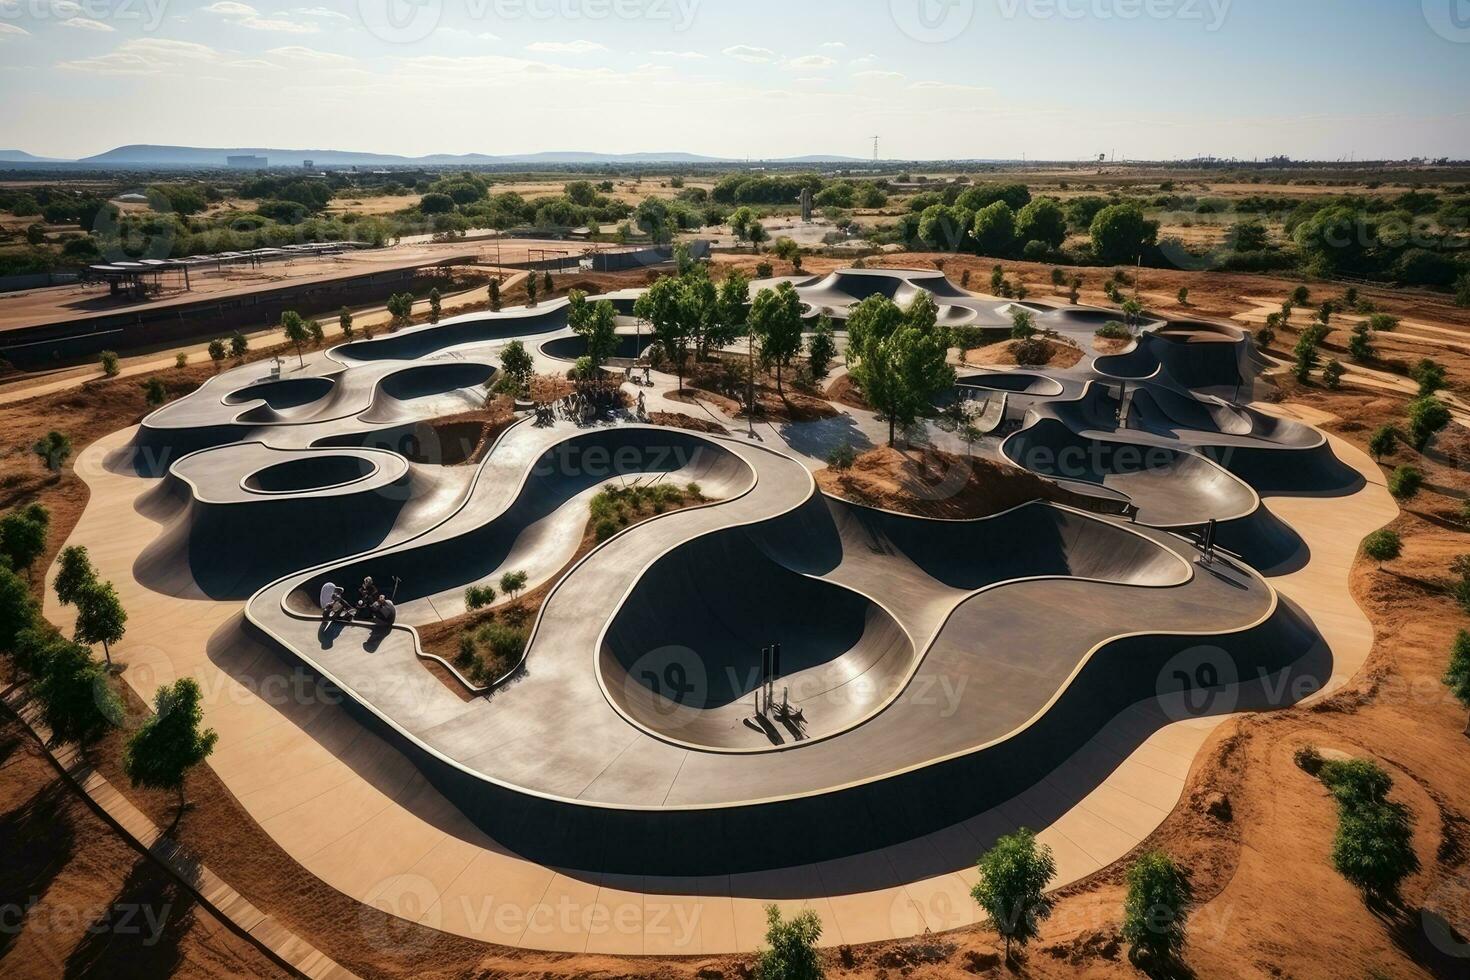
x: 149, y: 155
x: 21, y: 156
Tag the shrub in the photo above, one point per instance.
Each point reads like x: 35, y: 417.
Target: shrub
x: 1157, y: 907
x: 1113, y: 330
x: 1308, y: 759
x: 1031, y: 352
x: 842, y: 457
x: 239, y: 345
x: 478, y: 596
x: 1430, y: 375
x: 1405, y: 481
x: 1360, y: 344
x: 110, y: 363
x: 1374, y: 844
x: 1332, y: 374
x: 181, y: 360
x: 791, y: 952
x: 1382, y: 442
x: 217, y: 351
x: 1014, y: 875
x: 53, y: 450
x: 1427, y: 415
x: 154, y: 392
x: 1457, y: 674
x: 1382, y: 546
x: 511, y: 583
x: 605, y: 528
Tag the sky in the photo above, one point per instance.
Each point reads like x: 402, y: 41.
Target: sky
x: 934, y: 79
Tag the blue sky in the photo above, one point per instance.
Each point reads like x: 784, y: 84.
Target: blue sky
x: 1054, y: 79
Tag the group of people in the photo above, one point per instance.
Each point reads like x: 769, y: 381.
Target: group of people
x: 585, y: 404
x: 371, y: 603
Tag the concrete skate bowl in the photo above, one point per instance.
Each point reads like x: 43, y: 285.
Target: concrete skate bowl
x: 848, y: 286
x: 440, y: 388
x: 1013, y: 382
x: 429, y: 442
x: 682, y: 657
x: 630, y: 346
x: 417, y: 343
x: 239, y: 516
x: 469, y: 545
x: 1192, y: 355
x: 1170, y: 487
x: 1273, y: 455
x: 282, y: 395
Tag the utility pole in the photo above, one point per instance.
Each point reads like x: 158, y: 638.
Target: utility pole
x: 875, y: 149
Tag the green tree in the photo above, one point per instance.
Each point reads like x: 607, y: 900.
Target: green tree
x: 77, y: 703
x: 494, y: 292
x: 53, y: 449
x: 1457, y: 674
x: 775, y: 322
x: 787, y: 250
x: 1427, y: 415
x: 994, y: 229
x: 1430, y: 375
x: 23, y: 536
x: 1462, y: 289
x: 160, y: 754
x: 547, y: 283
x: 517, y: 363
x: 74, y: 573
x: 1014, y: 875
x: 898, y: 357
x: 1383, y: 545
x: 239, y: 345
x: 217, y: 352
x: 1023, y: 324
x: 101, y: 617
x: 531, y: 288
x: 17, y: 608
x: 344, y: 322
x: 1120, y: 233
x: 110, y: 363
x: 1042, y: 221
x: 1360, y: 343
x: 1157, y: 907
x: 821, y: 349
x: 1382, y: 442
x: 757, y: 234
x: 791, y: 952
x: 1332, y: 374
x: 296, y: 333
x: 1405, y: 481
x: 674, y: 314
x: 511, y: 583
x: 733, y: 304
x: 1374, y: 844
x: 436, y: 305
x: 1183, y: 295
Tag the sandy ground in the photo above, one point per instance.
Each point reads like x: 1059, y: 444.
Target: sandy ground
x: 80, y: 902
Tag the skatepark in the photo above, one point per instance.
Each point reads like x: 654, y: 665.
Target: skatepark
x: 940, y: 682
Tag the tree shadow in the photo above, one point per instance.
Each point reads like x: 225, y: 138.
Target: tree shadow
x: 39, y: 839
x: 140, y: 933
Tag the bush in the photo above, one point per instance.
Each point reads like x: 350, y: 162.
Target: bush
x: 1157, y: 907
x: 154, y: 392
x: 842, y: 457
x: 1374, y: 844
x: 1031, y: 352
x: 1308, y: 759
x: 605, y: 528
x: 791, y: 952
x: 1113, y: 330
x: 1383, y: 441
x: 110, y: 363
x: 1427, y: 415
x: 1405, y: 481
x: 1332, y: 374
x: 181, y: 360
x: 1382, y: 546
x: 478, y: 596
x: 1430, y: 375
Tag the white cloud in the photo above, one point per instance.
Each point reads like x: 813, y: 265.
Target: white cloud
x: 244, y: 15
x: 295, y: 52
x: 143, y: 56
x: 833, y: 45
x: 321, y: 12
x: 10, y: 30
x: 745, y: 52
x: 87, y: 24
x: 461, y: 32
x: 565, y: 47
x: 937, y: 86
x: 686, y: 55
x: 811, y: 62
x: 880, y: 76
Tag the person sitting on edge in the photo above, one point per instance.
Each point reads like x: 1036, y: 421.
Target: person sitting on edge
x: 384, y: 612
x: 367, y: 593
